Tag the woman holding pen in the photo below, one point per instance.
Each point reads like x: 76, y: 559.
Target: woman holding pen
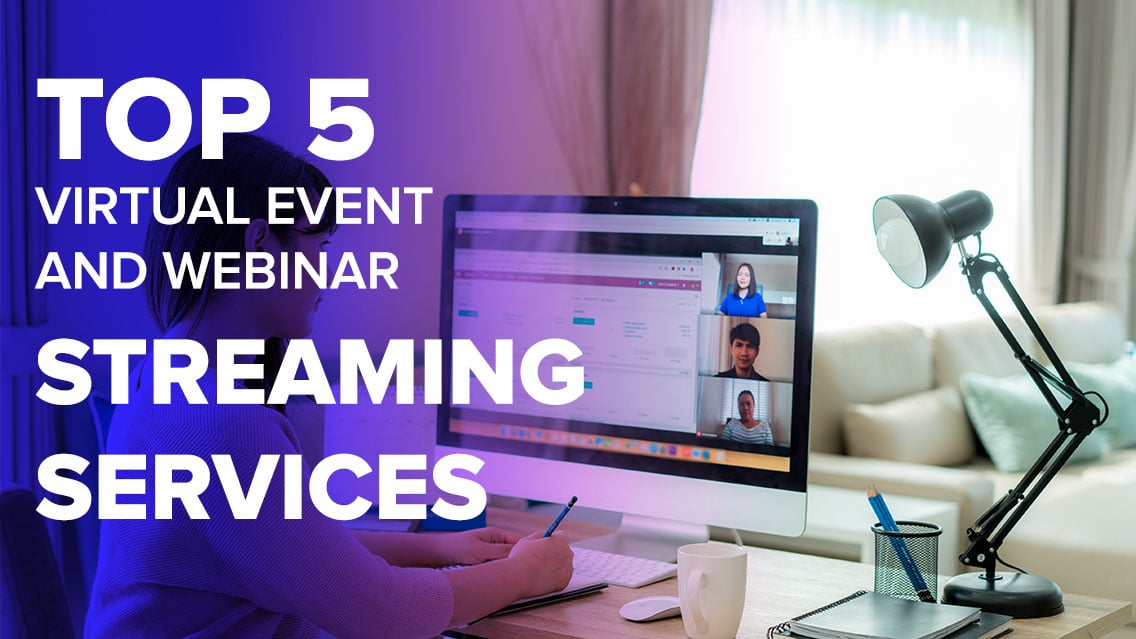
x: 273, y: 576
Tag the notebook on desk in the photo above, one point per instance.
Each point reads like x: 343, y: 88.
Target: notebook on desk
x: 870, y: 615
x: 575, y: 588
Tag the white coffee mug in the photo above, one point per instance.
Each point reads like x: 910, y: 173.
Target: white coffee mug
x: 711, y: 589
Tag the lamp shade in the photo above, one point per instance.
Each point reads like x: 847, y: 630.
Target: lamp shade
x: 915, y: 235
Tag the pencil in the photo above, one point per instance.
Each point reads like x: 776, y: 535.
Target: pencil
x: 560, y: 517
x: 901, y: 550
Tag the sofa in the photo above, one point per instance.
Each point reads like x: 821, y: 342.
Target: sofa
x: 916, y: 411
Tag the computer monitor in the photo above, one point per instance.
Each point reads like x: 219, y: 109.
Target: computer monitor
x: 640, y: 285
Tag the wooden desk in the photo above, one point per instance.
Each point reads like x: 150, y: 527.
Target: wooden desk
x: 781, y: 585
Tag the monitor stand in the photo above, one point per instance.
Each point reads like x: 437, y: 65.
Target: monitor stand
x: 649, y: 537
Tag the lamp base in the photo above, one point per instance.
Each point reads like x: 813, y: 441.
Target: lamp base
x: 1009, y: 593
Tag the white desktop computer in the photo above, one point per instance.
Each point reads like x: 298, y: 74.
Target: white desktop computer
x: 694, y: 317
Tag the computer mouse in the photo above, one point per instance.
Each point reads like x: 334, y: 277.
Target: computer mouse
x: 650, y: 608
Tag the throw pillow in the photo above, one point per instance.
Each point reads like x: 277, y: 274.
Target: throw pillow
x: 1117, y: 383
x: 924, y: 428
x: 1014, y: 422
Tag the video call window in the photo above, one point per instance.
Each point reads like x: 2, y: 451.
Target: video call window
x: 746, y: 348
x: 751, y: 285
x: 724, y: 400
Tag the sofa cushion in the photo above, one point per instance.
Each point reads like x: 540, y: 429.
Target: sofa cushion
x: 865, y: 365
x: 1014, y: 422
x: 1117, y: 383
x: 924, y: 428
x: 976, y: 346
x: 1083, y: 332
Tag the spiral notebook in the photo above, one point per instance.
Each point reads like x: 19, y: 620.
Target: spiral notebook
x: 869, y: 615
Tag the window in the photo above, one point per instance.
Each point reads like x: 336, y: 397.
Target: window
x: 842, y: 102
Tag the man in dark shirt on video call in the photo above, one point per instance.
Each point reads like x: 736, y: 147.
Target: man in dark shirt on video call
x: 745, y: 344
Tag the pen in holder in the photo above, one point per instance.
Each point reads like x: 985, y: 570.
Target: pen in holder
x: 922, y: 541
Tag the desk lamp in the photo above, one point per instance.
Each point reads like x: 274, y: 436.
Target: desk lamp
x: 915, y: 235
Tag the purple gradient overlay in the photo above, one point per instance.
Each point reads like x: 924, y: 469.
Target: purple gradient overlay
x: 458, y: 103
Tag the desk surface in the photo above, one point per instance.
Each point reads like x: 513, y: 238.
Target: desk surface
x: 781, y: 585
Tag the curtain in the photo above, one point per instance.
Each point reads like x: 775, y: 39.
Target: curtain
x: 29, y: 426
x: 622, y: 82
x: 1101, y: 213
x: 30, y: 429
x: 567, y: 43
x: 1043, y: 231
x: 657, y: 66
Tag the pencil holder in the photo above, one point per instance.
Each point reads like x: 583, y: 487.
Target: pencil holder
x: 895, y: 574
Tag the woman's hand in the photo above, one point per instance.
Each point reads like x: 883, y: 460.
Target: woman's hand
x: 534, y: 566
x: 546, y: 561
x: 475, y: 546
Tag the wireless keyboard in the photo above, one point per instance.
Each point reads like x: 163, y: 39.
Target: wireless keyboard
x: 619, y: 570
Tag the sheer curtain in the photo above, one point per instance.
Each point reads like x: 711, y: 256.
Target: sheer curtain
x: 841, y: 102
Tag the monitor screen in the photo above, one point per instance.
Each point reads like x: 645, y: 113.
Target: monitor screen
x: 693, y: 319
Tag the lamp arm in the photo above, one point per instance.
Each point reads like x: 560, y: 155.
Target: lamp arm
x: 1075, y: 422
x: 977, y: 267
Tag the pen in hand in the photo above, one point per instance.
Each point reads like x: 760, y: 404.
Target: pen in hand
x: 560, y: 517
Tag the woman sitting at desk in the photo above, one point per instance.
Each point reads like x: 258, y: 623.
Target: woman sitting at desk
x: 272, y: 576
x: 746, y: 428
x: 743, y: 300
